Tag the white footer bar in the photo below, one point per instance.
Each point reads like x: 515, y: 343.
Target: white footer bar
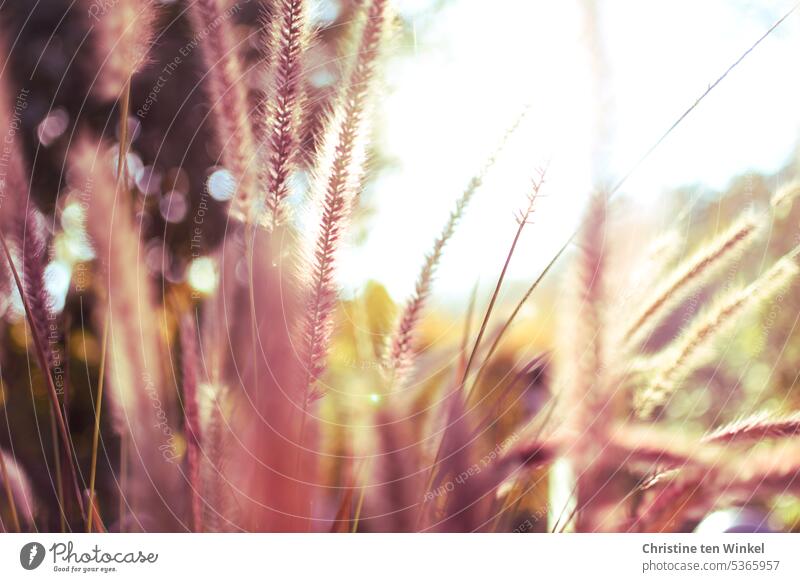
x: 387, y: 557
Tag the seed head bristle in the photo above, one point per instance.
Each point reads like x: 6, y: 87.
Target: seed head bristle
x: 401, y: 345
x: 14, y: 187
x: 671, y: 504
x: 227, y: 93
x: 582, y: 372
x: 762, y: 425
x: 692, y: 274
x: 123, y: 35
x: 692, y: 348
x: 17, y: 493
x: 288, y: 41
x: 786, y: 194
x: 116, y: 245
x: 400, y: 356
x: 339, y: 172
x: 133, y: 375
x: 31, y: 246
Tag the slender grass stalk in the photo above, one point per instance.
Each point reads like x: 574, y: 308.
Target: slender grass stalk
x: 94, y: 511
x: 65, y: 410
x: 523, y: 218
x: 711, y: 86
x: 44, y: 366
x: 359, y: 505
x: 467, y: 331
x: 566, y: 515
x: 343, y: 520
x: 62, y: 517
x: 134, y: 376
x: 123, y: 480
x: 500, y: 335
x: 189, y: 365
x: 122, y: 166
x: 250, y: 234
x: 668, y: 505
x: 625, y: 177
x: 31, y: 244
x: 455, y: 407
x: 399, y: 359
x: 121, y: 180
x: 97, y: 412
x: 361, y: 495
x: 493, y: 412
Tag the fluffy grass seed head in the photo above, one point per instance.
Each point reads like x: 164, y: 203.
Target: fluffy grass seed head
x: 123, y: 32
x: 692, y: 274
x: 693, y: 347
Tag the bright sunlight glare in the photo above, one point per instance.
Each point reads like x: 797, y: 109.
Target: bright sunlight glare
x: 469, y: 70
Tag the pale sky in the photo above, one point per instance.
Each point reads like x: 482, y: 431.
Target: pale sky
x: 474, y: 64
